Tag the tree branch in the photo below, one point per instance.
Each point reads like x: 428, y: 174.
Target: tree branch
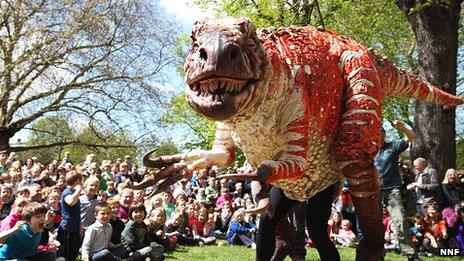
x: 65, y: 143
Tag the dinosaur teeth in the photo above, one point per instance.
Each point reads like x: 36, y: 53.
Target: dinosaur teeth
x: 221, y: 84
x: 203, y: 88
x: 212, y: 87
x: 238, y: 87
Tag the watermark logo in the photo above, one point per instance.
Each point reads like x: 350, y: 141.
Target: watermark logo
x: 449, y: 252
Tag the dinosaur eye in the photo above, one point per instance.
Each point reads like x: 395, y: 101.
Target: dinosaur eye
x: 251, y: 45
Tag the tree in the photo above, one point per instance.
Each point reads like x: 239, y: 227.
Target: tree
x: 435, y: 24
x: 103, y: 143
x: 97, y: 59
x: 460, y: 153
x: 166, y: 147
x: 50, y: 137
x: 50, y: 130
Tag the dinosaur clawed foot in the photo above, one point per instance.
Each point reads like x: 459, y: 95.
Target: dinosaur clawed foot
x: 171, y: 169
x: 160, y: 162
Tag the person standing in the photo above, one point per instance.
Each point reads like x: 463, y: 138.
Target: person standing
x: 70, y: 226
x: 386, y: 163
x: 427, y: 185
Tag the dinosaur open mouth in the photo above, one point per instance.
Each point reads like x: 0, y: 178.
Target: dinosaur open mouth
x: 215, y: 89
x: 218, y: 97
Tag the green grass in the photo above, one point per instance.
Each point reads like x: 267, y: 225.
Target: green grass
x: 219, y: 253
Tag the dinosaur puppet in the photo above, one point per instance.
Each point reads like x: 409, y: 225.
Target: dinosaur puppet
x: 304, y: 106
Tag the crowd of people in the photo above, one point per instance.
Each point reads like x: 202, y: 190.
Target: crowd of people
x: 91, y: 209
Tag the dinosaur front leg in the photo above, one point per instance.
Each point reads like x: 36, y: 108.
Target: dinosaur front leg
x: 357, y: 143
x: 174, y: 167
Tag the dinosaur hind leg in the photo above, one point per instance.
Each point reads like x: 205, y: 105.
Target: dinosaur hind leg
x: 364, y: 188
x: 357, y: 143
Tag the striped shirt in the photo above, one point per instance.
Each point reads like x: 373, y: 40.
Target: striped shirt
x: 97, y: 237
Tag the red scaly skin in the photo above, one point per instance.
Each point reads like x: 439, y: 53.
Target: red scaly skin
x: 303, y: 105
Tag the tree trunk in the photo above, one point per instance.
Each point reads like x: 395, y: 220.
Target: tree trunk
x: 436, y: 32
x: 5, y: 135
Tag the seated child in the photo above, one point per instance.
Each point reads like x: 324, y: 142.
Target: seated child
x: 222, y: 219
x: 241, y: 232
x: 139, y: 196
x: 346, y: 236
x: 224, y: 198
x: 211, y: 192
x: 116, y: 223
x: 97, y: 244
x: 88, y: 200
x: 391, y: 237
x: 22, y: 240
x: 155, y: 202
x: 418, y: 233
x: 135, y: 239
x: 435, y: 229
x: 156, y: 229
x: 111, y: 189
x: 201, y: 229
x: 176, y: 229
x: 22, y: 192
x: 334, y: 225
x: 168, y: 204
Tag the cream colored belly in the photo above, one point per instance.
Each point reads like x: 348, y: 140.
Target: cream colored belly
x: 320, y: 168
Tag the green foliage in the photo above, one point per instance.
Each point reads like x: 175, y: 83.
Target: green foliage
x: 182, y: 44
x: 167, y: 147
x: 181, y: 113
x: 104, y: 146
x: 377, y: 24
x: 58, y: 132
x: 418, y: 6
x: 50, y: 130
x: 460, y: 154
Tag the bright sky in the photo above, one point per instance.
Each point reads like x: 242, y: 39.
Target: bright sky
x: 185, y: 11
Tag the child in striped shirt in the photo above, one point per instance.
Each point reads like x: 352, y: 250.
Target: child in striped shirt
x: 97, y: 236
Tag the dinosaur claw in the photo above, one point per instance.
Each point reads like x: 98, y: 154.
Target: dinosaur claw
x: 165, y: 184
x: 145, y: 184
x: 159, y: 162
x: 172, y: 172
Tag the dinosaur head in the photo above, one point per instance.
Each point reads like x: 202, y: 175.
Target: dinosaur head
x: 226, y: 69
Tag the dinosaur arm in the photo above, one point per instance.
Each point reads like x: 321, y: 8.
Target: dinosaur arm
x: 221, y: 154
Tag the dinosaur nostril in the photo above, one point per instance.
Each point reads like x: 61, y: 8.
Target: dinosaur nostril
x: 203, y: 54
x: 234, y: 52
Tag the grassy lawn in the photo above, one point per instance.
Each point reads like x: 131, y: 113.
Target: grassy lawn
x: 219, y: 253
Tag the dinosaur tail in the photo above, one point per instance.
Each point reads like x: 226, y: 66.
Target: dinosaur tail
x: 399, y: 83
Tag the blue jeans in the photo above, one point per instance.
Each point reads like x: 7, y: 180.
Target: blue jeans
x: 104, y: 255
